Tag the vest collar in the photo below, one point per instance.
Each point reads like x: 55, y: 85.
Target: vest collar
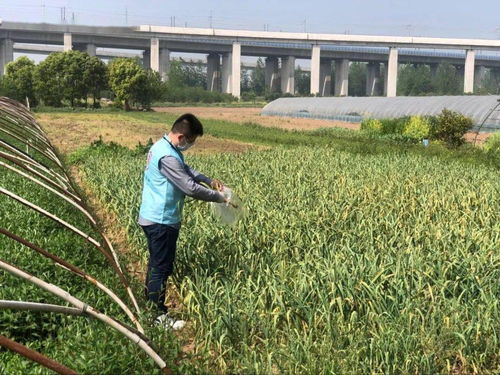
x: 166, y: 138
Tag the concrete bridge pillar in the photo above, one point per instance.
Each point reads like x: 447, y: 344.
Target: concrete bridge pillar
x: 6, y: 54
x: 325, y: 78
x: 164, y: 63
x: 154, y: 55
x: 226, y: 73
x: 231, y: 71
x: 213, y: 72
x: 159, y: 59
x: 288, y: 75
x: 315, y: 70
x: 236, y: 70
x: 68, y: 42
x: 470, y: 60
x: 373, y: 79
x: 392, y: 73
x: 272, y: 74
x: 342, y: 77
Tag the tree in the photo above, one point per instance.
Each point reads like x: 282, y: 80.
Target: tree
x: 447, y: 81
x: 148, y: 89
x: 357, y: 79
x: 183, y: 75
x: 302, y: 81
x: 49, y: 80
x: 246, y: 81
x: 490, y: 84
x: 75, y: 86
x: 414, y: 80
x: 95, y: 77
x: 258, y: 78
x: 125, y: 78
x: 19, y: 80
x: 61, y: 76
x: 132, y: 84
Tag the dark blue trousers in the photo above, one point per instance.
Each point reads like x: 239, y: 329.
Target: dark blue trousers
x: 162, y: 243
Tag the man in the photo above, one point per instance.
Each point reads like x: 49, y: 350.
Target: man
x: 167, y: 180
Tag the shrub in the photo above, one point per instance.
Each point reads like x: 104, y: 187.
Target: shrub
x: 450, y: 127
x: 393, y: 125
x: 417, y: 127
x: 175, y: 94
x: 372, y: 125
x: 248, y: 96
x: 271, y: 96
x: 492, y: 144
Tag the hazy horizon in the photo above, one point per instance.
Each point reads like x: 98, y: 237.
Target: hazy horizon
x: 388, y: 17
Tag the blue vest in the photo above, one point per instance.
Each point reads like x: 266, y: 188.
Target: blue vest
x: 162, y: 202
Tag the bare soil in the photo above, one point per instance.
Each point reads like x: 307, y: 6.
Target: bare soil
x: 481, y: 137
x: 69, y: 132
x: 242, y: 115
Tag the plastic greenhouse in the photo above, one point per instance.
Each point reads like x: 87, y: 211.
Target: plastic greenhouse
x: 483, y: 110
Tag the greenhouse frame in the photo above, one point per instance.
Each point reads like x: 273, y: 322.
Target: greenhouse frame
x: 26, y: 153
x: 483, y: 110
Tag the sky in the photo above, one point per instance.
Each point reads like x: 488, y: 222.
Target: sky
x: 437, y: 18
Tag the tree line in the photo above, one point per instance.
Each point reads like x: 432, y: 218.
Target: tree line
x: 413, y: 80
x: 74, y: 78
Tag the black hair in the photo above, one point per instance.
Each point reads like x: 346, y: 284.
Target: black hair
x: 188, y: 125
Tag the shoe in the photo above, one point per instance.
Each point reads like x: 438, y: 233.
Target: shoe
x: 168, y: 322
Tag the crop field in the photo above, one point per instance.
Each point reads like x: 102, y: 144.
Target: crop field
x: 355, y: 256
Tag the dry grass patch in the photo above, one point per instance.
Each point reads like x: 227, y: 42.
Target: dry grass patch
x: 245, y: 115
x: 71, y: 131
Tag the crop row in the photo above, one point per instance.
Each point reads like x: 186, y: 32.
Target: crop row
x: 344, y: 263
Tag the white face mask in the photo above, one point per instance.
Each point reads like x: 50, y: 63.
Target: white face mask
x: 186, y: 146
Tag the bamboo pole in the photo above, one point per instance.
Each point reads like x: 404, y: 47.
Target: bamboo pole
x: 49, y: 154
x: 26, y: 166
x: 35, y: 356
x: 40, y: 307
x: 136, y: 339
x: 35, y: 162
x: 33, y: 206
x: 72, y: 268
x: 58, y: 309
x: 70, y: 201
x: 111, y: 255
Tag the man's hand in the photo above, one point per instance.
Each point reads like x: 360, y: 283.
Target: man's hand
x: 217, y: 184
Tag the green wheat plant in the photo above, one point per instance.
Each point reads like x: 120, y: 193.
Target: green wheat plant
x: 358, y: 263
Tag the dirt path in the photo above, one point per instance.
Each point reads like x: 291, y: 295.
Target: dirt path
x: 242, y: 115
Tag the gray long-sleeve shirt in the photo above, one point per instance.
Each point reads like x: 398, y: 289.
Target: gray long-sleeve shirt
x: 188, y: 181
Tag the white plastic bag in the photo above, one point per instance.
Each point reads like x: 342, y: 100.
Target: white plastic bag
x: 229, y: 212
